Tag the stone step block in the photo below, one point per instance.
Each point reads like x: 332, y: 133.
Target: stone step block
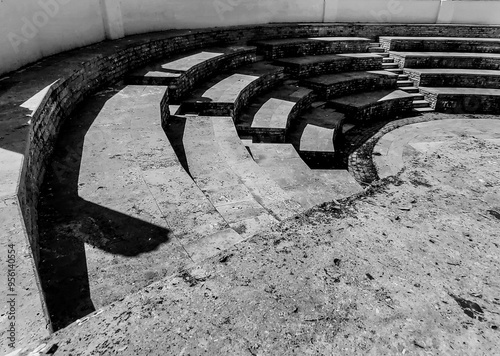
x: 372, y: 106
x: 333, y: 85
x: 267, y: 117
x: 182, y: 72
x: 440, y: 44
x: 227, y: 94
x: 447, y: 60
x: 451, y: 77
x: 331, y: 63
x: 293, y: 47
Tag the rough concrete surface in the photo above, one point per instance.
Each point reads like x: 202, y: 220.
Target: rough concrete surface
x: 409, y: 267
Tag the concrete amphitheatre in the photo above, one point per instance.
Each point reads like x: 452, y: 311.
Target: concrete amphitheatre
x: 153, y: 154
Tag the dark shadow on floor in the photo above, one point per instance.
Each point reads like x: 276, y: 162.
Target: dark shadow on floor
x: 174, y: 130
x: 67, y: 223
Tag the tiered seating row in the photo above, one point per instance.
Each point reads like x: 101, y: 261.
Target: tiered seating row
x: 293, y: 47
x: 446, y: 77
x: 183, y: 72
x: 329, y: 86
x: 446, y: 60
x: 440, y: 44
x: 315, y: 65
x: 227, y: 94
x: 268, y: 117
x: 454, y: 74
x: 463, y: 100
x: 374, y: 105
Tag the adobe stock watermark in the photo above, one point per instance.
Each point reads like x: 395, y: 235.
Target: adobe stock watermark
x: 31, y: 26
x: 394, y: 7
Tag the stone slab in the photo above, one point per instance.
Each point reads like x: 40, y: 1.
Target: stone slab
x: 364, y: 99
x: 317, y: 139
x: 273, y: 114
x: 440, y: 44
x: 309, y: 187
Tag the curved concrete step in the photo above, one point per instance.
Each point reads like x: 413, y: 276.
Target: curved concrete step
x: 333, y: 85
x: 184, y: 71
x: 381, y: 104
x: 117, y: 202
x: 310, y: 187
x: 463, y: 100
x: 318, y: 142
x: 330, y: 63
x: 450, y: 77
x: 267, y: 117
x: 224, y: 170
x: 228, y: 93
x: 292, y: 47
x: 446, y: 60
x: 440, y: 44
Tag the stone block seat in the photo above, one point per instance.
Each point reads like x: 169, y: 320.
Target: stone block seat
x: 316, y: 135
x: 227, y: 93
x: 183, y: 71
x: 293, y: 47
x: 451, y: 77
x: 308, y: 186
x: 446, y: 60
x: 328, y: 86
x: 237, y: 187
x: 317, y: 140
x: 380, y: 104
x: 330, y: 63
x: 268, y: 116
x: 463, y: 100
x: 440, y: 44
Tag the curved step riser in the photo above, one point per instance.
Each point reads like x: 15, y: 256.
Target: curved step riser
x: 241, y: 97
x: 449, y: 100
x: 301, y: 68
x: 446, y: 62
x: 182, y: 81
x: 306, y: 47
x: 460, y: 80
x: 328, y: 91
x: 435, y: 44
x: 392, y: 105
x: 265, y: 130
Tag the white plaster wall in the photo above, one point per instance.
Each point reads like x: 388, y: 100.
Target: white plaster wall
x: 33, y: 29
x: 396, y: 11
x: 113, y: 19
x: 154, y: 15
x: 470, y: 12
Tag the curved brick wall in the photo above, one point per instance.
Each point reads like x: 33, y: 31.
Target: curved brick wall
x: 76, y: 74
